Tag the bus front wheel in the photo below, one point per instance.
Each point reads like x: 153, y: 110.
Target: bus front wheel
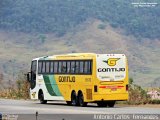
x: 41, y: 98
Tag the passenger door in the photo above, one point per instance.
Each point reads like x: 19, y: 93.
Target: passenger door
x: 33, y: 74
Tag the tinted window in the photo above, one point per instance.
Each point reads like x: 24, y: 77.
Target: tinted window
x: 68, y: 66
x: 47, y: 67
x: 43, y: 67
x: 77, y: 67
x: 64, y: 67
x: 81, y: 66
x: 39, y: 67
x: 55, y: 66
x: 60, y: 67
x: 72, y: 67
x: 86, y: 67
x: 51, y: 67
x: 33, y: 74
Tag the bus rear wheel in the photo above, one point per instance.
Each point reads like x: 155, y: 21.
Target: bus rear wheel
x: 73, y: 99
x: 81, y: 100
x: 41, y: 98
x: 111, y: 103
x: 102, y: 104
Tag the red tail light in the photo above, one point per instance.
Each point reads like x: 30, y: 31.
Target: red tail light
x: 126, y: 87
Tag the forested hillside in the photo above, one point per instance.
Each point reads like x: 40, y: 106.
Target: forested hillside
x: 33, y: 28
x: 60, y: 16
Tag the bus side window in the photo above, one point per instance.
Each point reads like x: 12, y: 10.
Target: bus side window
x: 72, y: 66
x: 51, y: 67
x: 68, y: 67
x: 43, y: 67
x: 77, y: 67
x: 64, y: 67
x: 85, y: 67
x: 47, y: 67
x: 39, y: 67
x: 81, y: 67
x: 89, y: 67
x: 59, y: 67
x: 55, y: 66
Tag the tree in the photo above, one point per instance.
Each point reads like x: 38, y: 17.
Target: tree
x: 130, y: 81
x: 22, y: 86
x: 1, y: 77
x: 137, y: 95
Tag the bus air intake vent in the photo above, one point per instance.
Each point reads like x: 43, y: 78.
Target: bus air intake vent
x: 89, y: 94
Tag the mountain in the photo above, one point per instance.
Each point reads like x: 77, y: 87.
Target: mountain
x: 60, y: 16
x: 30, y: 29
x: 18, y: 49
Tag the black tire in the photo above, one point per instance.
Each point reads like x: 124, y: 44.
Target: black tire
x: 111, y: 103
x: 102, y: 104
x: 41, y: 98
x: 68, y: 102
x: 81, y: 100
x: 73, y: 99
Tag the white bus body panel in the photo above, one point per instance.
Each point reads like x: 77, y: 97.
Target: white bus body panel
x: 40, y: 85
x: 111, y: 67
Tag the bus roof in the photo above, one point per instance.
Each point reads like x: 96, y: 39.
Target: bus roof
x: 73, y: 55
x: 68, y: 55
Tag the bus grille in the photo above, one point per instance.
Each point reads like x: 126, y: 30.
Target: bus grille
x: 89, y: 94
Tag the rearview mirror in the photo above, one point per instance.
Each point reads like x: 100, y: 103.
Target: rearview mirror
x: 29, y: 76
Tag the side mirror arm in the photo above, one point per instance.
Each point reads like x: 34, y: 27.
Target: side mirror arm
x: 28, y: 76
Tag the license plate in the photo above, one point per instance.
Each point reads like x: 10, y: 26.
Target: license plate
x: 114, y: 89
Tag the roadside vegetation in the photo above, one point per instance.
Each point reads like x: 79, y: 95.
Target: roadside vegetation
x: 137, y: 95
x: 19, y: 90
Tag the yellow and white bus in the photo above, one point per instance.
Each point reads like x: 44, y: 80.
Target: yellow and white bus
x: 80, y: 78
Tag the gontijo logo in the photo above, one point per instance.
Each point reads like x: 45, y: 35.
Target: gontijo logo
x: 111, y: 61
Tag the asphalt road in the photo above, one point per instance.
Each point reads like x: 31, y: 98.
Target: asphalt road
x: 29, y: 108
